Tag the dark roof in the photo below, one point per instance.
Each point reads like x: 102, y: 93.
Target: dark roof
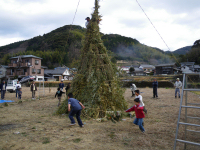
x: 187, y: 63
x: 147, y: 66
x: 26, y: 56
x: 171, y: 64
x: 135, y: 66
x: 56, y: 71
x: 44, y: 67
x: 196, y: 66
x: 48, y: 71
x: 4, y: 66
x: 138, y: 70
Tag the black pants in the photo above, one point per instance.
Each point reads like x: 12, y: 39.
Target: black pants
x: 133, y: 93
x: 3, y: 94
x: 144, y: 109
x: 155, y: 93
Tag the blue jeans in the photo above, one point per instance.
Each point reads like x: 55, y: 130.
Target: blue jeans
x: 19, y: 96
x: 139, y: 121
x: 78, y: 113
x: 16, y: 93
x: 177, y: 90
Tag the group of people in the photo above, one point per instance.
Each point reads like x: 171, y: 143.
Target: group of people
x: 3, y: 87
x: 139, y: 107
x: 18, y: 90
x: 75, y: 106
x: 177, y: 85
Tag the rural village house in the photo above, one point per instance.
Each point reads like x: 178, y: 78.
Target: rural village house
x: 137, y: 71
x: 196, y: 68
x: 59, y: 73
x: 190, y: 66
x: 165, y: 69
x: 25, y: 65
x: 124, y: 68
x: 147, y: 68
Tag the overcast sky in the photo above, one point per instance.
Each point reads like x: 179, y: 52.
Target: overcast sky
x: 177, y: 21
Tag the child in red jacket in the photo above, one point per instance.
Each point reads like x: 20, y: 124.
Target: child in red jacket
x: 138, y: 113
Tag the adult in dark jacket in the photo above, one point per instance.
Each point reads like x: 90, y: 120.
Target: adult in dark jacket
x: 3, y: 89
x: 61, y: 85
x: 33, y: 89
x: 155, y: 87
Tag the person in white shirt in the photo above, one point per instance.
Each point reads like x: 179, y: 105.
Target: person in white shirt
x: 137, y: 93
x: 87, y: 22
x: 177, y: 86
x: 133, y: 88
x: 17, y: 87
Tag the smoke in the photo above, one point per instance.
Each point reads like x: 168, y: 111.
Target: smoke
x: 142, y: 53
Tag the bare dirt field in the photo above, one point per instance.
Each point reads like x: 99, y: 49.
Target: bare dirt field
x: 31, y: 125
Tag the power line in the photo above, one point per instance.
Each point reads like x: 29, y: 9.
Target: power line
x: 76, y: 11
x: 153, y: 25
x: 161, y: 36
x: 158, y: 32
x: 72, y: 22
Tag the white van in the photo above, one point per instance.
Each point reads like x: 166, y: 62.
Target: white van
x: 11, y: 85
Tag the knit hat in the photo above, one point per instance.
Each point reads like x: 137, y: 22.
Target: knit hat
x: 87, y: 18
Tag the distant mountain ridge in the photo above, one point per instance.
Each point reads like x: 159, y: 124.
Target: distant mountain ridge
x: 181, y: 51
x: 67, y: 42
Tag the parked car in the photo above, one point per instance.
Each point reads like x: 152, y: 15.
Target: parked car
x: 26, y: 79
x: 11, y: 85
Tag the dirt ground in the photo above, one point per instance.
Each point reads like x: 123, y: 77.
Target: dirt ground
x: 31, y: 125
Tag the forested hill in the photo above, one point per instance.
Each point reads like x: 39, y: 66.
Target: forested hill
x: 61, y: 46
x: 181, y: 51
x: 193, y: 55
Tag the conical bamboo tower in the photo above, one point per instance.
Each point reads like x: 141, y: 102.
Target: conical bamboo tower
x: 96, y: 84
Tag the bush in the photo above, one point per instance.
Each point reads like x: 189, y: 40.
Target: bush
x: 144, y: 84
x: 47, y: 83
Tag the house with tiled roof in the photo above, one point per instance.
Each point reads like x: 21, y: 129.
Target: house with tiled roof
x: 147, y: 68
x: 25, y: 65
x: 59, y: 73
x: 165, y: 69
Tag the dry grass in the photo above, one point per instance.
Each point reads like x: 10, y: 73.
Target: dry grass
x: 31, y: 125
x: 196, y: 92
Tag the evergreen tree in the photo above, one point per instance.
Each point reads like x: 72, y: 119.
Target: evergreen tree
x: 131, y: 70
x: 96, y: 84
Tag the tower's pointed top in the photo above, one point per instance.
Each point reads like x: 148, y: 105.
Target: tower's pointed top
x: 95, y: 15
